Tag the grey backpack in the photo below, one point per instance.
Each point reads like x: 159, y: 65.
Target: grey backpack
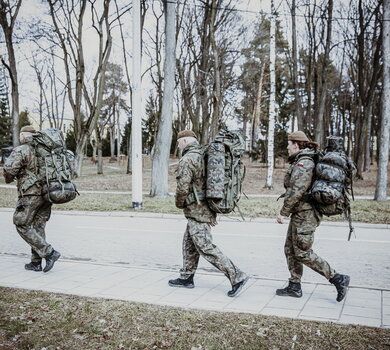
x: 225, y: 171
x: 54, y: 166
x: 333, y: 184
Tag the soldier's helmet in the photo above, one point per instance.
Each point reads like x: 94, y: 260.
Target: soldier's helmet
x: 334, y: 144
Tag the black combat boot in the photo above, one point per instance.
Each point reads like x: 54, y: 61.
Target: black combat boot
x: 237, y: 287
x: 51, y: 259
x: 292, y: 290
x: 33, y: 266
x: 341, y: 282
x: 182, y: 282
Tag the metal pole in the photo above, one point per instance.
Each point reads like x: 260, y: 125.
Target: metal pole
x: 136, y: 131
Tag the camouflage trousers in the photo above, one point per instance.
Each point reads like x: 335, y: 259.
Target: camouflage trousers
x: 198, y: 241
x: 298, y: 246
x: 30, y: 217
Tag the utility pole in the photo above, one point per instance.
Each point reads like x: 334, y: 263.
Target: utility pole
x: 272, y: 112
x: 136, y: 128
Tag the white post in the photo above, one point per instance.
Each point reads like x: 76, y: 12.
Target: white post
x: 272, y: 112
x: 136, y: 131
x: 384, y: 143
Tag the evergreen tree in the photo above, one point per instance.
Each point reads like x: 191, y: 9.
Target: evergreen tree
x: 256, y: 55
x: 24, y: 118
x: 5, y: 119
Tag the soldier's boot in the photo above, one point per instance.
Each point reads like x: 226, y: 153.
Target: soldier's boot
x: 33, y: 266
x: 341, y: 282
x: 50, y: 260
x: 182, y: 282
x: 237, y: 287
x: 292, y: 290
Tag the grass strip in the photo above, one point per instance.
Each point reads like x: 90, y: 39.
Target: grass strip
x: 363, y: 210
x: 38, y: 320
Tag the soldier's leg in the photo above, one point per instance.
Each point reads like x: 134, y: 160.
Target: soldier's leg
x: 294, y: 265
x: 39, y: 224
x: 24, y: 216
x: 190, y: 256
x: 35, y: 258
x: 303, y: 241
x: 201, y: 236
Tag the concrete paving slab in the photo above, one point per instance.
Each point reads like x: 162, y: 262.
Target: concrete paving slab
x: 288, y: 303
x: 362, y: 312
x: 364, y: 321
x: 372, y: 303
x: 151, y: 286
x: 321, y: 312
x: 269, y: 311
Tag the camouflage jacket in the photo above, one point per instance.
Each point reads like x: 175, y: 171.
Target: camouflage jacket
x: 191, y: 185
x: 20, y: 165
x: 298, y: 181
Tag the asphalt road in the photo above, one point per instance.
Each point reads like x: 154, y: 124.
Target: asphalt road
x: 256, y: 247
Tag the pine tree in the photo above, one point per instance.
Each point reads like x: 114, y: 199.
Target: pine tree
x: 5, y: 119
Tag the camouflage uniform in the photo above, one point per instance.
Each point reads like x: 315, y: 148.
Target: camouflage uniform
x: 304, y: 218
x: 190, y: 196
x: 32, y: 211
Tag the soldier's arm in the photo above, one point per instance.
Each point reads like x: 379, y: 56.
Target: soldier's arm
x: 12, y: 165
x: 300, y: 182
x: 184, y: 176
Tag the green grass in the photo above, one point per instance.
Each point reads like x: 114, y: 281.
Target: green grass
x: 30, y: 319
x: 368, y: 211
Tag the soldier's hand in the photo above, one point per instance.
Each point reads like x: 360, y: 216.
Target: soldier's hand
x: 213, y: 223
x: 280, y: 219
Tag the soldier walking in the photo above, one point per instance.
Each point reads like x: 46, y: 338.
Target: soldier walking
x: 32, y: 210
x: 304, y: 219
x: 197, y: 240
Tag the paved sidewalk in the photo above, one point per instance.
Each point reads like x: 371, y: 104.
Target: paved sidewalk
x: 370, y: 307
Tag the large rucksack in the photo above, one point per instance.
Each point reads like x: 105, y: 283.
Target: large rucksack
x: 333, y: 184
x: 224, y: 171
x: 54, y: 166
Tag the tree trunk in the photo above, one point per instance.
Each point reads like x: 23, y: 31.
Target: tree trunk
x: 298, y: 103
x: 256, y: 115
x: 112, y: 141
x: 381, y: 181
x: 7, y: 23
x: 99, y: 146
x: 80, y: 146
x: 367, y: 144
x: 216, y: 95
x: 272, y: 104
x: 319, y: 131
x: 160, y: 162
x: 129, y: 169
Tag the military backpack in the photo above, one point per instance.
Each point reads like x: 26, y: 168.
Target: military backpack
x: 54, y: 164
x: 224, y: 171
x: 332, y: 185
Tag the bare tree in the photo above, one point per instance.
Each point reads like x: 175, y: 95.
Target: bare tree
x: 298, y: 102
x: 68, y: 21
x: 209, y: 46
x: 8, y: 13
x: 383, y: 159
x: 319, y: 130
x: 159, y: 186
